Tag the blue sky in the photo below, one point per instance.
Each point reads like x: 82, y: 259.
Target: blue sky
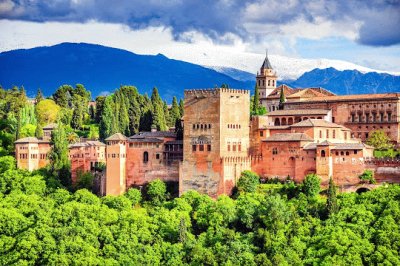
x: 362, y: 32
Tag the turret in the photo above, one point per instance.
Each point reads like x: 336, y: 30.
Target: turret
x: 266, y: 80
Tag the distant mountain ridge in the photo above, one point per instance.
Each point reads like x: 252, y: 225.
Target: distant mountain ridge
x: 103, y: 69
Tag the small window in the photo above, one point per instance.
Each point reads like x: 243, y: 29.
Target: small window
x: 240, y: 146
x: 229, y: 146
x: 209, y: 147
x: 334, y: 134
x: 234, y: 146
x: 157, y: 156
x: 194, y: 126
x: 327, y: 133
x: 355, y: 151
x: 209, y: 126
x: 275, y: 151
x: 201, y: 147
x: 347, y: 153
x: 145, y: 157
x: 261, y: 133
x: 323, y: 153
x: 193, y: 147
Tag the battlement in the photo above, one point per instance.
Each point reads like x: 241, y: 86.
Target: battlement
x: 213, y: 92
x: 236, y: 159
x: 382, y: 161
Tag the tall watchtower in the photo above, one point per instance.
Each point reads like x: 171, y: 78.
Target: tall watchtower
x: 216, y: 140
x: 116, y: 164
x: 266, y: 80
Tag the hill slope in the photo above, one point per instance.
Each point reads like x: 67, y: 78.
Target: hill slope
x: 103, y: 69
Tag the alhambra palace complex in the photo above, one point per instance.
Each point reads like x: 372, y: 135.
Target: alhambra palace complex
x: 316, y: 131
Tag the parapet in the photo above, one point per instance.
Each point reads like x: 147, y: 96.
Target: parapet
x: 213, y: 92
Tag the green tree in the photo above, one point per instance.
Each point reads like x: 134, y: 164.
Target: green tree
x: 158, y: 111
x: 84, y: 180
x: 156, y: 191
x: 7, y: 163
x: 134, y: 195
x: 58, y: 156
x: 368, y: 176
x: 331, y: 203
x: 311, y: 185
x: 282, y: 99
x: 39, y: 96
x: 167, y: 116
x: 181, y: 107
x: 379, y: 140
x: 256, y: 101
x: 99, y: 107
x: 107, y: 125
x: 248, y: 181
x: 39, y: 131
x: 47, y: 111
x: 27, y: 130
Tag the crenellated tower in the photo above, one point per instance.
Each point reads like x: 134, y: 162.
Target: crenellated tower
x: 266, y: 80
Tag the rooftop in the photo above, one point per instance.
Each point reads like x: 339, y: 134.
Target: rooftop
x: 356, y: 97
x: 145, y: 140
x: 154, y: 134
x: 339, y: 146
x: 88, y: 143
x: 288, y: 137
x: 316, y: 123
x: 27, y: 140
x: 299, y: 112
x: 116, y: 136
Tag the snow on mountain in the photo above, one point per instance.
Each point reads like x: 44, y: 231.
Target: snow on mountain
x: 287, y: 68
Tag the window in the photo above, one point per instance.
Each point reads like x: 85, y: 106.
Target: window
x: 145, y: 157
x: 194, y: 126
x: 193, y: 147
x: 345, y: 135
x: 334, y: 134
x: 209, y: 126
x: 359, y: 117
x: 261, y: 133
x: 323, y: 153
x: 157, y: 156
x: 347, y: 153
x: 353, y: 119
x: 239, y: 146
x: 320, y: 134
x: 327, y: 133
x: 209, y: 147
x: 234, y: 146
x: 389, y: 115
x: 201, y: 147
x: 229, y: 146
x: 355, y: 151
x: 275, y: 151
x: 381, y: 114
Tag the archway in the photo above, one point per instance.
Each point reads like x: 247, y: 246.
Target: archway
x: 283, y: 122
x: 277, y: 122
x: 290, y: 121
x: 362, y: 190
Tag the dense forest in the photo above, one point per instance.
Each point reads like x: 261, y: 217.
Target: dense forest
x: 267, y: 224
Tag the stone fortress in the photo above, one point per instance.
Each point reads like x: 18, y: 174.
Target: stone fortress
x: 316, y: 131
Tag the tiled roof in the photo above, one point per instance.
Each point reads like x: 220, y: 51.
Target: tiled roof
x: 266, y: 64
x: 275, y: 127
x: 144, y: 140
x: 87, y: 144
x: 116, y: 136
x: 275, y: 94
x: 299, y: 112
x: 339, y: 146
x: 50, y: 126
x: 155, y: 134
x: 354, y: 97
x: 307, y: 93
x: 27, y: 140
x: 289, y: 137
x: 316, y: 123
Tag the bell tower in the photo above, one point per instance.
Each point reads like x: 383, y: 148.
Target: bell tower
x: 266, y: 80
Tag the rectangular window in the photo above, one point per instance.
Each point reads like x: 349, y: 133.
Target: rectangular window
x: 327, y: 133
x: 355, y: 151
x: 234, y: 146
x: 229, y: 146
x: 201, y: 147
x: 193, y: 147
x: 334, y: 134
x: 157, y: 156
x: 209, y: 147
x: 239, y: 147
x: 261, y: 133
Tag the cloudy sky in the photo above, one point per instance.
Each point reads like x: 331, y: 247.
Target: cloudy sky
x: 358, y: 31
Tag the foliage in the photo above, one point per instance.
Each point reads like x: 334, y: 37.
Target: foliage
x: 84, y: 180
x: 59, y: 162
x: 47, y: 111
x: 331, y: 203
x: 368, y: 176
x: 311, y: 185
x: 248, y: 181
x: 158, y: 114
x: 7, y: 163
x: 39, y: 131
x: 27, y: 130
x: 156, y: 191
x: 255, y: 106
x: 282, y: 99
x: 379, y: 140
x: 39, y: 96
x: 39, y: 226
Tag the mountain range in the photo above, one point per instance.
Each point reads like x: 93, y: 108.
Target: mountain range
x: 103, y: 69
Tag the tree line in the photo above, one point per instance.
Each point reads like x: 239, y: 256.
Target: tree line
x: 262, y: 224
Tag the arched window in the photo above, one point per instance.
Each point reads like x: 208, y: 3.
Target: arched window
x: 283, y: 122
x: 145, y: 157
x: 277, y: 122
x: 323, y: 153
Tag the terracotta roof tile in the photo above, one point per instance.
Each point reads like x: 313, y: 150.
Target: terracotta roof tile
x: 299, y: 112
x: 116, y: 136
x: 288, y: 137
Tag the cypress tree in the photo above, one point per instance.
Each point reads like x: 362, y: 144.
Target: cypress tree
x: 256, y: 101
x: 158, y: 111
x: 282, y: 99
x: 106, y: 126
x: 331, y: 202
x: 181, y: 107
x: 39, y: 131
x: 146, y: 117
x: 39, y: 96
x: 167, y: 116
x: 59, y: 160
x: 175, y: 112
x: 124, y: 117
